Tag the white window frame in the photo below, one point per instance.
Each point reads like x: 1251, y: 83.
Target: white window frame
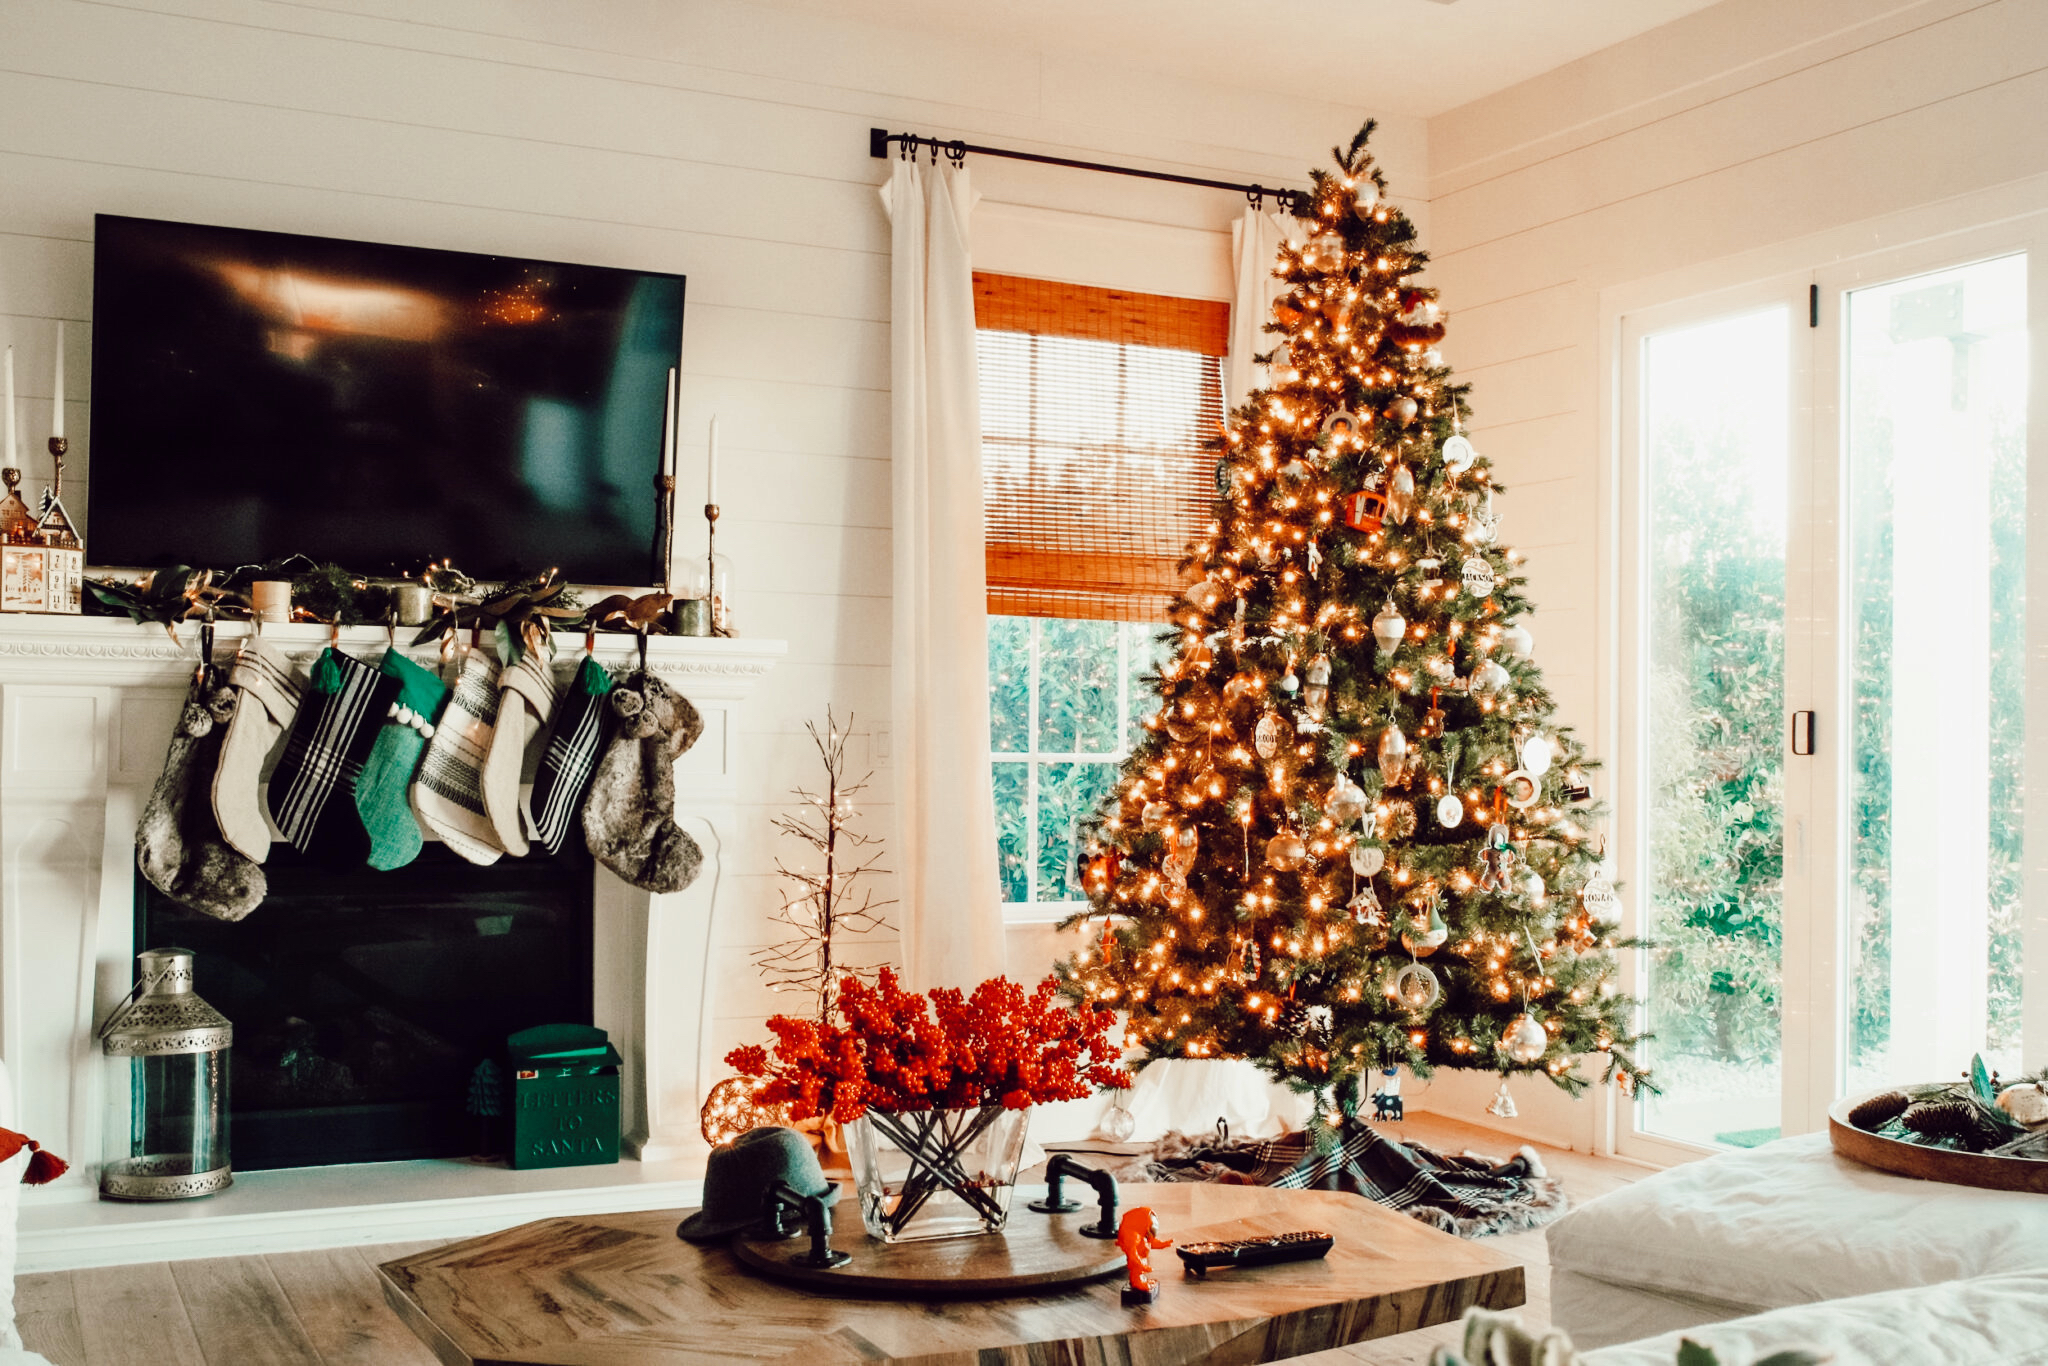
x: 1032, y: 911
x: 1818, y: 273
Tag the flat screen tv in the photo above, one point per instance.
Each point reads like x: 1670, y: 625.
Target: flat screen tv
x: 262, y: 394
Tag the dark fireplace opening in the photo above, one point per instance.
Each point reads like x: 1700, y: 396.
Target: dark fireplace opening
x: 363, y: 1001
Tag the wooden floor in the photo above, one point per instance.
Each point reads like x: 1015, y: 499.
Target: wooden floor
x: 325, y: 1308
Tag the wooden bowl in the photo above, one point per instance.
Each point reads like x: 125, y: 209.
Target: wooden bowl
x: 1931, y: 1164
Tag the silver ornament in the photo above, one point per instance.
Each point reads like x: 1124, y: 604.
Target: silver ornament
x: 1535, y: 887
x: 1325, y: 251
x: 1489, y: 678
x: 1393, y: 754
x: 1477, y: 577
x: 1286, y: 852
x: 1450, y: 811
x: 1525, y: 1040
x: 1388, y: 628
x: 1403, y: 410
x: 1119, y: 1124
x: 1518, y: 640
x: 1417, y: 988
x: 1599, y: 898
x: 1346, y: 802
x: 1367, y: 199
x: 1458, y: 455
x: 1367, y: 859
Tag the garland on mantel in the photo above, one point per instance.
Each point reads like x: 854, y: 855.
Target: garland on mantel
x: 521, y: 609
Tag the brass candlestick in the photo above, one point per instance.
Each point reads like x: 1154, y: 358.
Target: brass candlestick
x: 721, y: 621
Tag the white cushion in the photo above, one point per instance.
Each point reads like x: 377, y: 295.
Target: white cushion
x: 1791, y: 1223
x: 1990, y: 1319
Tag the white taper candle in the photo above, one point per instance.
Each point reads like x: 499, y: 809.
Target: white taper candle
x: 57, y: 403
x: 711, y: 467
x: 10, y: 410
x: 668, y: 427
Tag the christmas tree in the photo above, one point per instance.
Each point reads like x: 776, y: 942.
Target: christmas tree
x: 1354, y: 836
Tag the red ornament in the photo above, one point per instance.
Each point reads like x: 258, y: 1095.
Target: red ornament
x: 1365, y: 510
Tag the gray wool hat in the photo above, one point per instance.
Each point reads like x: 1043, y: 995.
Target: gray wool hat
x: 737, y: 1178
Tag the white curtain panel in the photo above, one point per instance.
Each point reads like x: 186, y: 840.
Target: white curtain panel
x: 1255, y: 248
x: 951, y: 909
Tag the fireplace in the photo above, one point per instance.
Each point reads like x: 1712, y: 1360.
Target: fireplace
x: 364, y: 1001
x: 86, y: 710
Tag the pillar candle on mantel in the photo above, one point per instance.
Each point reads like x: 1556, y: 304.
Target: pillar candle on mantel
x: 711, y: 467
x: 57, y: 404
x: 10, y: 410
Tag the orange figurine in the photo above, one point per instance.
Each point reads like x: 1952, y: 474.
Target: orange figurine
x: 1137, y: 1236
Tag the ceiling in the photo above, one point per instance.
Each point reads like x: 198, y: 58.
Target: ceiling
x: 1401, y: 58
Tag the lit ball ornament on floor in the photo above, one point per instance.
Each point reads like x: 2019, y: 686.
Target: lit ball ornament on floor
x: 1417, y: 988
x: 730, y: 1111
x: 1525, y: 1040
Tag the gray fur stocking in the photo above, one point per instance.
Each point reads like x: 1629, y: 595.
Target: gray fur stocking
x: 629, y: 818
x: 178, y: 843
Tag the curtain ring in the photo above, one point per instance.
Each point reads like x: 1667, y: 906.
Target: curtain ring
x: 956, y: 152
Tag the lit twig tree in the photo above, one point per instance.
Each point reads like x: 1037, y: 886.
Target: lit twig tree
x: 821, y: 904
x: 1355, y: 835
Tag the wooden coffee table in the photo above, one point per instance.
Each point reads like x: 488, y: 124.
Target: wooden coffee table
x: 623, y: 1290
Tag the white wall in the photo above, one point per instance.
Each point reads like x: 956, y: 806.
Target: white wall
x: 1750, y: 123
x: 724, y: 141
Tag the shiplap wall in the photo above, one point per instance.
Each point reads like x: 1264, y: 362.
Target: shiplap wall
x: 724, y: 141
x: 1750, y: 123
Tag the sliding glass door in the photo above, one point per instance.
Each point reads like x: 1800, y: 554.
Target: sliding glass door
x: 1828, y: 716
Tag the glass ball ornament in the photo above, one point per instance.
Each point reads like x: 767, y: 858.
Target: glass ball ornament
x: 1240, y: 686
x: 1367, y: 859
x: 1417, y: 988
x: 1365, y: 198
x: 1518, y: 640
x: 1458, y: 454
x: 1119, y: 1124
x: 1525, y: 1040
x: 1489, y: 678
x: 1538, y: 891
x: 1325, y: 251
x: 1346, y: 802
x: 1393, y: 754
x: 730, y: 1111
x: 1403, y: 409
x: 1285, y: 852
x: 1389, y: 628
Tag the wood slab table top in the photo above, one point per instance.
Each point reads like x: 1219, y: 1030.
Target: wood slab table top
x: 623, y: 1290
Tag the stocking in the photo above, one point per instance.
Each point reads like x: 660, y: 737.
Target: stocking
x: 178, y: 844
x: 629, y: 818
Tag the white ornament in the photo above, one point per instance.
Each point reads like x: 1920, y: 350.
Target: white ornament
x: 1266, y: 737
x: 1388, y: 628
x: 1489, y: 677
x: 1368, y: 198
x: 1459, y: 455
x: 1477, y: 576
x: 1536, y: 755
x: 1449, y: 811
x: 1598, y: 897
x: 1400, y: 496
x: 1525, y: 1040
x: 1486, y: 522
x: 1502, y: 1106
x: 1416, y: 988
x: 1367, y: 859
x: 1518, y: 640
x: 1535, y: 887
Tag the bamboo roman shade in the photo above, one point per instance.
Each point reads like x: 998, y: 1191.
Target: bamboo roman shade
x: 1096, y: 406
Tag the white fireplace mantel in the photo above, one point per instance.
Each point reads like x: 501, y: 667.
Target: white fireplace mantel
x: 86, y: 709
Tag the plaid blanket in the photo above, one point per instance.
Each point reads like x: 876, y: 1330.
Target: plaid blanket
x: 1464, y: 1194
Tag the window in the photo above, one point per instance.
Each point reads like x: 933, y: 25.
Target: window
x: 1827, y: 715
x: 1097, y: 406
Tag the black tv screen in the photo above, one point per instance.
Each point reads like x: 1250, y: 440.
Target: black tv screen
x: 262, y: 394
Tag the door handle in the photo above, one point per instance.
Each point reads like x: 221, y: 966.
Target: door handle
x: 1802, y: 732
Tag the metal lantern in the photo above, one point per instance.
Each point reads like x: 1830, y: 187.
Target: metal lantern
x: 167, y: 1130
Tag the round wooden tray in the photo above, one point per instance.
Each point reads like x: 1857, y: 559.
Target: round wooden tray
x: 1931, y: 1164
x: 1034, y: 1252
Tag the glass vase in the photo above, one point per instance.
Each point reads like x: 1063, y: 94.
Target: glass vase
x: 935, y: 1173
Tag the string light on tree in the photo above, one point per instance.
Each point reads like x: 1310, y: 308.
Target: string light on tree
x: 1351, y: 650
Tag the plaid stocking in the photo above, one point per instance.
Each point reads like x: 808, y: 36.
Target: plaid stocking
x: 582, y: 725
x: 448, y: 795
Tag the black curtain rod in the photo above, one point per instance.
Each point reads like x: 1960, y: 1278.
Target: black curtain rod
x: 1298, y: 202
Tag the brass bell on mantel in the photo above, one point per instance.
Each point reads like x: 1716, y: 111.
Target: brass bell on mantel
x: 167, y: 1097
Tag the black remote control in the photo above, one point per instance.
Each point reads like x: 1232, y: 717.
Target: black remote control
x: 1304, y: 1246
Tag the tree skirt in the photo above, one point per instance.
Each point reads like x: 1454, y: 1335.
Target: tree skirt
x: 1465, y: 1194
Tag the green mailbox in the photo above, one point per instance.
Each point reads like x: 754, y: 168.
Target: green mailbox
x: 565, y: 1097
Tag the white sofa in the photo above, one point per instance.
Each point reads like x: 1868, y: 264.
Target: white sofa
x: 1788, y: 1224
